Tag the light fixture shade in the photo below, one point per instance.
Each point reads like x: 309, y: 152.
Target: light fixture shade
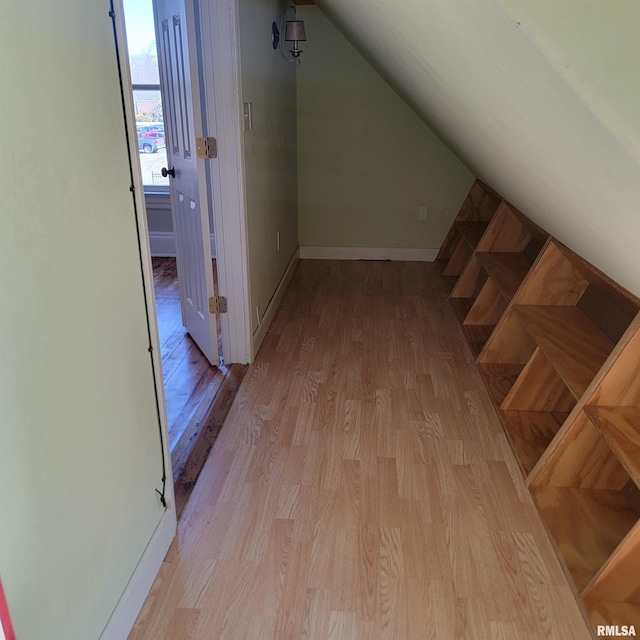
x: 294, y: 31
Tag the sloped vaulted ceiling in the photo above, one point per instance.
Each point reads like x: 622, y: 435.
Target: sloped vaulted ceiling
x: 519, y: 105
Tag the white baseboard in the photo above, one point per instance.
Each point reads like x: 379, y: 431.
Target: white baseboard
x: 368, y: 253
x: 133, y: 597
x: 269, y: 314
x: 163, y: 244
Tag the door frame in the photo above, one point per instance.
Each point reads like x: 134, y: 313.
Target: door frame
x: 221, y: 90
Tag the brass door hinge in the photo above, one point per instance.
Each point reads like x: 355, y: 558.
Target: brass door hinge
x: 206, y: 147
x: 217, y: 304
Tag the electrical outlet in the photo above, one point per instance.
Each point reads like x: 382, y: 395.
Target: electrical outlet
x: 278, y: 240
x: 423, y: 213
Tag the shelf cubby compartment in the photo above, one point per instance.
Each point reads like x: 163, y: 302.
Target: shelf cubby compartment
x: 620, y: 384
x: 471, y: 232
x: 508, y: 249
x: 456, y: 263
x: 529, y: 433
x: 504, y: 251
x: 591, y: 505
x: 620, y: 427
x: 588, y: 525
x: 512, y: 232
x: 480, y: 204
x: 561, y: 278
x: 534, y: 409
x: 445, y: 260
x: 585, y: 473
x: 505, y: 270
x: 476, y: 212
x: 485, y: 312
x: 476, y: 304
x: 614, y: 593
x: 467, y: 288
x: 575, y: 314
x: 504, y: 356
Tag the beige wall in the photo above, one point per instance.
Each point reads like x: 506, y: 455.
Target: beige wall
x: 479, y: 78
x: 269, y: 83
x: 80, y: 452
x: 366, y: 161
x: 594, y: 46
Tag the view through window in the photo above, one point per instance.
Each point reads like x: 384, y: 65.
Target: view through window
x: 145, y: 78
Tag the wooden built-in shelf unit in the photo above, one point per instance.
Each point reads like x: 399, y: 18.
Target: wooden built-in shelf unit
x: 558, y: 345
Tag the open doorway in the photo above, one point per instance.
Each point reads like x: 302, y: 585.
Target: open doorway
x: 194, y: 378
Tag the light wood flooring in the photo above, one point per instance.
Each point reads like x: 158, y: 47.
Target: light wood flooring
x: 361, y: 486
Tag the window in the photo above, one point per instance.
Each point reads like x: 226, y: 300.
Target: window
x: 145, y: 78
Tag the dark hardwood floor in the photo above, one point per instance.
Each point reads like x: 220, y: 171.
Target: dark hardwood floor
x: 188, y: 376
x: 198, y: 395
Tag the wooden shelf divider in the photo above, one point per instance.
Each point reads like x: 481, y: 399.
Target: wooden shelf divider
x: 620, y: 427
x: 602, y: 612
x: 530, y: 433
x: 572, y: 343
x: 617, y: 580
x: 461, y: 306
x: 507, y: 270
x: 476, y: 335
x: 499, y: 378
x: 472, y: 232
x: 585, y: 549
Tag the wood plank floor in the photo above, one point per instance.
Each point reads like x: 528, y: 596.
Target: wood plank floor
x: 189, y: 379
x: 361, y: 486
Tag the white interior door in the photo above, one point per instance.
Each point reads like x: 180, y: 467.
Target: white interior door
x: 177, y: 57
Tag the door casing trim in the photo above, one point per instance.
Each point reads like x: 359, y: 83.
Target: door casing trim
x: 221, y: 79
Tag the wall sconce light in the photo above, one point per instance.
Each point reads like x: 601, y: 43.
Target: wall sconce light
x: 293, y: 32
